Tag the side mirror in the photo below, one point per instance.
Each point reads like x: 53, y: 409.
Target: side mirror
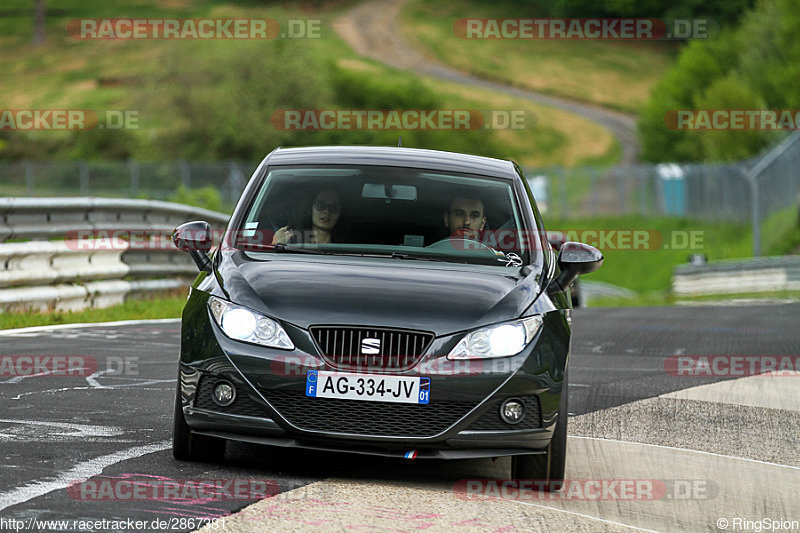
x: 574, y: 259
x: 195, y: 238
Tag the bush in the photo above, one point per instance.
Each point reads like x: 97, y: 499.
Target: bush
x: 754, y: 66
x: 222, y: 96
x: 205, y: 197
x: 366, y: 90
x: 724, y: 12
x: 219, y: 102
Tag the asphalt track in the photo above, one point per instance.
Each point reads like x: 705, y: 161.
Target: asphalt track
x: 714, y: 447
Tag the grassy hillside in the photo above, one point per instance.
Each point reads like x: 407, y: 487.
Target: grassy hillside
x: 214, y: 99
x: 612, y: 74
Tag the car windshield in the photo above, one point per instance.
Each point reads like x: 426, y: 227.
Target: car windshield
x: 404, y: 213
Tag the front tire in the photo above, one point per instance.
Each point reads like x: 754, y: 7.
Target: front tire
x: 548, y: 469
x: 189, y: 447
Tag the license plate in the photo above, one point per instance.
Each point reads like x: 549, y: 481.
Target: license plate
x: 346, y: 386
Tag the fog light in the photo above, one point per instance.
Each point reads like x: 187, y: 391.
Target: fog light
x: 224, y: 393
x: 512, y: 411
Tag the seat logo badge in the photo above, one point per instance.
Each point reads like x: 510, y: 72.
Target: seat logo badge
x: 370, y: 346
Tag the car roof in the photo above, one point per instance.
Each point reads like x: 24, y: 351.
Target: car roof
x: 393, y: 156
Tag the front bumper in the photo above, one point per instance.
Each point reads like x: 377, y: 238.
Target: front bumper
x: 457, y: 442
x: 461, y: 421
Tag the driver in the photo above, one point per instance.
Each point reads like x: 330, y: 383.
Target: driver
x: 465, y: 217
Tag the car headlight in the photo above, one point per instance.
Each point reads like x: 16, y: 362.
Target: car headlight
x: 502, y: 340
x: 242, y: 324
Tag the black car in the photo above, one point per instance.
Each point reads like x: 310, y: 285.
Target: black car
x: 385, y: 301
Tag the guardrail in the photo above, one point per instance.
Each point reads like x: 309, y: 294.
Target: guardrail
x: 738, y: 276
x: 45, y: 218
x: 73, y: 257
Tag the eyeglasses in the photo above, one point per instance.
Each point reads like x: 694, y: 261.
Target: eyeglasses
x: 330, y: 208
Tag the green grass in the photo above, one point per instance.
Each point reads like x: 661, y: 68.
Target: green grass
x: 67, y: 73
x: 653, y: 299
x: 551, y: 136
x: 780, y: 232
x: 130, y: 310
x: 649, y: 268
x: 613, y: 74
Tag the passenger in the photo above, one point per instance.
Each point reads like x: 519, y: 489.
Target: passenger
x: 322, y: 216
x: 465, y: 217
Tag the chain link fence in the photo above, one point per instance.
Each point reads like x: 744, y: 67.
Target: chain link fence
x: 746, y: 191
x: 702, y: 191
x: 125, y: 179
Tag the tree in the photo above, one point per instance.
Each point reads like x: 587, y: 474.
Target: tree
x: 754, y: 65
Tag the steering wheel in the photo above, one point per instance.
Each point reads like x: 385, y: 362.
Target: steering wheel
x: 464, y: 243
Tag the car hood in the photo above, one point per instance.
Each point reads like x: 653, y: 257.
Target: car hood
x: 437, y: 297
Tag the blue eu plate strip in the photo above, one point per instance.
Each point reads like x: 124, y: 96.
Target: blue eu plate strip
x: 311, y: 383
x: 424, y: 390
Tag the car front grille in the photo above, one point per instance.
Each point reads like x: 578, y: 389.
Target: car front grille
x: 492, y: 421
x: 242, y: 405
x: 358, y: 417
x: 352, y: 347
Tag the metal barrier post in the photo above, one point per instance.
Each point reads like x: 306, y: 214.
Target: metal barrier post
x: 186, y: 174
x: 754, y: 212
x: 28, y: 166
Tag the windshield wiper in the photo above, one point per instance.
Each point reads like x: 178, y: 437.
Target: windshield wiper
x: 292, y: 249
x: 280, y: 247
x: 402, y: 255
